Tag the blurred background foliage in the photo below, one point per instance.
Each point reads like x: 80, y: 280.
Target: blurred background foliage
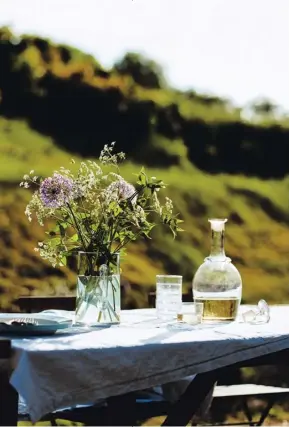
x: 218, y: 160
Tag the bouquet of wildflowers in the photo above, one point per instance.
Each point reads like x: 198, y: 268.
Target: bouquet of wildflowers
x: 95, y: 209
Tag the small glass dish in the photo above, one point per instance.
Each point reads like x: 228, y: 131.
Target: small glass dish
x: 191, y: 313
x: 259, y: 315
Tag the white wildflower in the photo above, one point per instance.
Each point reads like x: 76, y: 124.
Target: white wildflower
x: 107, y: 158
x: 139, y: 216
x: 168, y: 207
x: 156, y: 203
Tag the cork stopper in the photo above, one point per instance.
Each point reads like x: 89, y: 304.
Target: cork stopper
x: 217, y: 224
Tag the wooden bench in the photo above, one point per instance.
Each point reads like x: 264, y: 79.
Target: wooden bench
x: 244, y: 391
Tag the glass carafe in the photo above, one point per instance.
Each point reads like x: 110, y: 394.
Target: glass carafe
x: 217, y: 282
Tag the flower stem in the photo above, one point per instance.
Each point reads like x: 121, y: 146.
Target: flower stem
x: 77, y: 226
x: 121, y: 245
x: 81, y: 238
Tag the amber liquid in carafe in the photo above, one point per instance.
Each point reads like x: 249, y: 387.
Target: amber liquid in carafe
x: 219, y: 309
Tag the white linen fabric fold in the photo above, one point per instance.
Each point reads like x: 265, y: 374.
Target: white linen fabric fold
x: 66, y: 370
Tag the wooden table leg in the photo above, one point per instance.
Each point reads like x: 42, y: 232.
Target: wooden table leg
x: 121, y: 410
x: 8, y: 395
x: 8, y: 402
x: 185, y: 408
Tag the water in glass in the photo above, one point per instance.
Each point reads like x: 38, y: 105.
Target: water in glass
x: 168, y: 296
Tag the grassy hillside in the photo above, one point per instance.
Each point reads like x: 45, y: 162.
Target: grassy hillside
x: 67, y: 95
x: 57, y: 102
x: 257, y: 237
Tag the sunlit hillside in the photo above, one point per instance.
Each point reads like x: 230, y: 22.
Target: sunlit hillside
x: 57, y: 103
x: 257, y: 231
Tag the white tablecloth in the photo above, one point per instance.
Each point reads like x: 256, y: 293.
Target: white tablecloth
x: 65, y: 370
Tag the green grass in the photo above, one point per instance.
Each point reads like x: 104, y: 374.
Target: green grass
x: 22, y: 149
x: 257, y: 234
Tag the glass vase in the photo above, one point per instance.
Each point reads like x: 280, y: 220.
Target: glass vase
x: 98, y: 289
x: 217, y: 283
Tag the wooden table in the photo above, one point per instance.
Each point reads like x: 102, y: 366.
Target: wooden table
x: 182, y: 411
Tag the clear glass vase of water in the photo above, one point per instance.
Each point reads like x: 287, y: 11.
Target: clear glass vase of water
x: 98, y: 289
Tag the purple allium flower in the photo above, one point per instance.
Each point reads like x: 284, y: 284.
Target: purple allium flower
x: 56, y: 191
x: 123, y: 189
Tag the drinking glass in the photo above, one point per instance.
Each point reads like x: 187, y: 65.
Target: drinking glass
x: 168, y: 296
x: 191, y: 313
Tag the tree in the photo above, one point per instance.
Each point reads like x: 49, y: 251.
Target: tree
x: 264, y: 107
x: 144, y: 72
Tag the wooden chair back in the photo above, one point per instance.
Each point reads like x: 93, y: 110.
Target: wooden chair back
x: 35, y: 304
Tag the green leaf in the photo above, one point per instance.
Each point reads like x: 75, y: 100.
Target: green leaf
x: 55, y: 241
x: 63, y: 261
x: 142, y: 178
